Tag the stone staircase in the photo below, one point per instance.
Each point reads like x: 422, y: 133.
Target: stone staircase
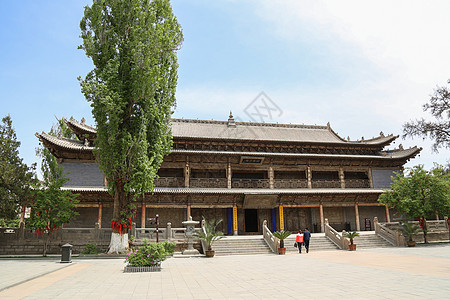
x: 241, y: 245
x: 371, y: 240
x: 318, y: 242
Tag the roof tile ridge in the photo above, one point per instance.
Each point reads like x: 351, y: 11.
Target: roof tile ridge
x: 201, y: 121
x: 77, y: 124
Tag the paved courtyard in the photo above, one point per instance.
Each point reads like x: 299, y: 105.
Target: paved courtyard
x: 382, y: 273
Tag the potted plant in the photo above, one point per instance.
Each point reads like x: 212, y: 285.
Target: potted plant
x: 351, y: 236
x: 209, y: 234
x: 281, y: 235
x: 408, y: 230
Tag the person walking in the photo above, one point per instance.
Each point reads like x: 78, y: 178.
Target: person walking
x: 299, y: 241
x: 306, y: 238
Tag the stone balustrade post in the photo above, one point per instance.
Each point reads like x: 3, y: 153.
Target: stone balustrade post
x: 169, y: 231
x: 375, y: 224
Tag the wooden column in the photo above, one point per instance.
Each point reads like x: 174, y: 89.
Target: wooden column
x: 100, y: 213
x: 342, y: 177
x: 188, y: 211
x: 388, y: 217
x: 281, y: 213
x: 369, y: 174
x: 235, y: 221
x: 143, y: 208
x: 271, y: 175
x: 187, y: 172
x: 322, y: 219
x: 309, y: 176
x: 229, y: 176
x: 358, y: 226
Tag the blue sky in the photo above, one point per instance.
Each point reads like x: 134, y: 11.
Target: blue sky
x: 363, y: 66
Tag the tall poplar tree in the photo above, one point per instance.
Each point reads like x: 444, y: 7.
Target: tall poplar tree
x: 133, y: 45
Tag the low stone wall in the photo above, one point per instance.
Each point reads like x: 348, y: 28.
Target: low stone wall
x: 437, y: 231
x: 16, y: 241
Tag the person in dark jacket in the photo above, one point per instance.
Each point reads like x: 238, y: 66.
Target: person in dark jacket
x: 306, y: 238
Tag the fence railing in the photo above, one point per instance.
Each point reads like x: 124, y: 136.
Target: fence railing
x: 208, y: 182
x: 290, y: 183
x: 250, y: 183
x: 335, y: 236
x: 392, y: 236
x: 271, y: 240
x: 357, y: 183
x: 322, y: 183
x: 169, y: 182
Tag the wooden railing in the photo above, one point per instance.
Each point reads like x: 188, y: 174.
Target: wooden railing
x: 272, y: 242
x: 357, y: 183
x: 250, y: 183
x: 325, y: 184
x: 290, y: 183
x: 169, y: 182
x: 335, y: 236
x: 208, y: 182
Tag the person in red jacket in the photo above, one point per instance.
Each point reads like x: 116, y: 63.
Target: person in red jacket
x: 299, y: 241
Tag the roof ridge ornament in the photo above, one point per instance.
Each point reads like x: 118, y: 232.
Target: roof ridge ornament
x: 231, y: 123
x: 83, y: 121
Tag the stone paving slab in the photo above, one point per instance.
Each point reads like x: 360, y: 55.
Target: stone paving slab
x: 16, y: 271
x: 387, y: 273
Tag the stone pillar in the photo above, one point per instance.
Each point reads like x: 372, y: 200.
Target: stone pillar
x: 188, y: 211
x: 187, y: 172
x: 358, y: 226
x: 100, y: 213
x: 235, y: 220
x: 309, y: 176
x: 342, y: 177
x: 169, y: 231
x: 281, y: 213
x: 143, y: 208
x: 375, y: 224
x: 271, y: 175
x: 388, y: 216
x: 369, y: 174
x: 322, y: 219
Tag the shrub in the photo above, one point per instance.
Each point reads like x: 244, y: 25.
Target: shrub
x: 90, y: 248
x: 169, y: 246
x: 147, y: 255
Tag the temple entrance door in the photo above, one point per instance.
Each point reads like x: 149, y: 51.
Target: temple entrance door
x: 251, y: 220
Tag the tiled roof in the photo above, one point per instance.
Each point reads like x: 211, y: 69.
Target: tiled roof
x: 210, y: 129
x: 167, y: 190
x: 65, y: 143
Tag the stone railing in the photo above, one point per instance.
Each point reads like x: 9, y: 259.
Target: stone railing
x: 392, y: 236
x: 272, y: 242
x: 167, y: 233
x: 335, y: 236
x: 325, y: 184
x: 250, y: 183
x: 208, y: 182
x: 169, y: 182
x: 290, y: 183
x: 357, y: 183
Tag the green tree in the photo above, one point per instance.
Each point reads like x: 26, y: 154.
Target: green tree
x: 132, y: 93
x: 419, y: 194
x: 439, y: 129
x: 16, y: 178
x: 51, y: 208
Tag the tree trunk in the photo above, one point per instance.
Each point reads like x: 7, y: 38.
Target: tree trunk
x: 46, y: 239
x: 425, y: 230
x: 119, y: 241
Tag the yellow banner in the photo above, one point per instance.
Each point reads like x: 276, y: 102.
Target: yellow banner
x: 281, y: 218
x: 235, y: 219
